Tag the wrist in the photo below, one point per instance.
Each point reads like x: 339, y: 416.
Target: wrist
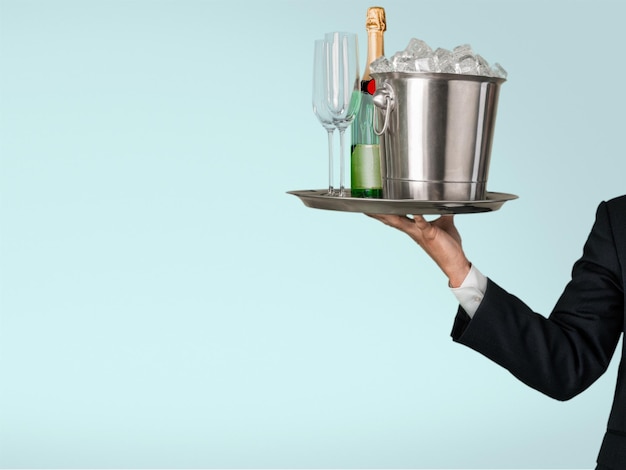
x: 457, y: 275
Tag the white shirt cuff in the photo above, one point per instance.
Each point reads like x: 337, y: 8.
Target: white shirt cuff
x: 471, y: 292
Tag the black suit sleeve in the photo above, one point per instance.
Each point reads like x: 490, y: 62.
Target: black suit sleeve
x: 565, y: 353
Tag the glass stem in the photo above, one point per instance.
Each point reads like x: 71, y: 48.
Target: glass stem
x: 331, y: 163
x: 342, y: 164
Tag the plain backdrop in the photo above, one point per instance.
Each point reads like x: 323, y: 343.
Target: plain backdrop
x: 165, y: 304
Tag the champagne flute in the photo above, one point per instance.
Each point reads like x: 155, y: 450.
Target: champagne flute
x: 320, y: 102
x: 343, y: 81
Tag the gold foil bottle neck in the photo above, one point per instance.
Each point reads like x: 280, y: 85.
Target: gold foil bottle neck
x: 376, y: 19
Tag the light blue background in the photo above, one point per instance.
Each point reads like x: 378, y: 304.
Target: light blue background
x: 164, y: 303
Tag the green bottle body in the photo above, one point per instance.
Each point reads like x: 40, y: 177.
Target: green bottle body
x: 365, y: 176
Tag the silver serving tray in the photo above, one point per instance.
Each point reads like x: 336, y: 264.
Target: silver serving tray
x: 319, y: 199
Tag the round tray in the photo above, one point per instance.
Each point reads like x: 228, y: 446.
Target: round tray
x: 319, y: 199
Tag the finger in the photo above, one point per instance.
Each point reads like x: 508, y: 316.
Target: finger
x: 427, y: 229
x: 421, y: 222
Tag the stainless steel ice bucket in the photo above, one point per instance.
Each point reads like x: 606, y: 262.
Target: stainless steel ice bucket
x: 436, y: 132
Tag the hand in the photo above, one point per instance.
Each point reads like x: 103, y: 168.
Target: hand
x: 439, y: 239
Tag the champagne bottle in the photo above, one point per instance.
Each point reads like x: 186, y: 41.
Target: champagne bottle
x: 365, y: 159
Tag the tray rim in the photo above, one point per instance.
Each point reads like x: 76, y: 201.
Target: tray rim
x: 318, y: 199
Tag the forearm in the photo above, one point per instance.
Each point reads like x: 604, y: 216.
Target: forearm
x: 557, y: 359
x: 563, y: 354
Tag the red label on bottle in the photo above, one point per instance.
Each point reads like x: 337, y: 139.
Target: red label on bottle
x: 371, y: 86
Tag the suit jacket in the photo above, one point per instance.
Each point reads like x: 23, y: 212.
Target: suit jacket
x: 565, y: 353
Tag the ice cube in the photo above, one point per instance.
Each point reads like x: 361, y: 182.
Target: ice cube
x: 381, y: 65
x: 498, y: 71
x: 462, y: 52
x: 418, y: 48
x: 403, y: 63
x: 425, y: 64
x: 444, y: 61
x: 482, y: 66
x: 467, y: 66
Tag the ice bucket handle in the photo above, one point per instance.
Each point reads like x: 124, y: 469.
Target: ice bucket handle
x: 383, y: 99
